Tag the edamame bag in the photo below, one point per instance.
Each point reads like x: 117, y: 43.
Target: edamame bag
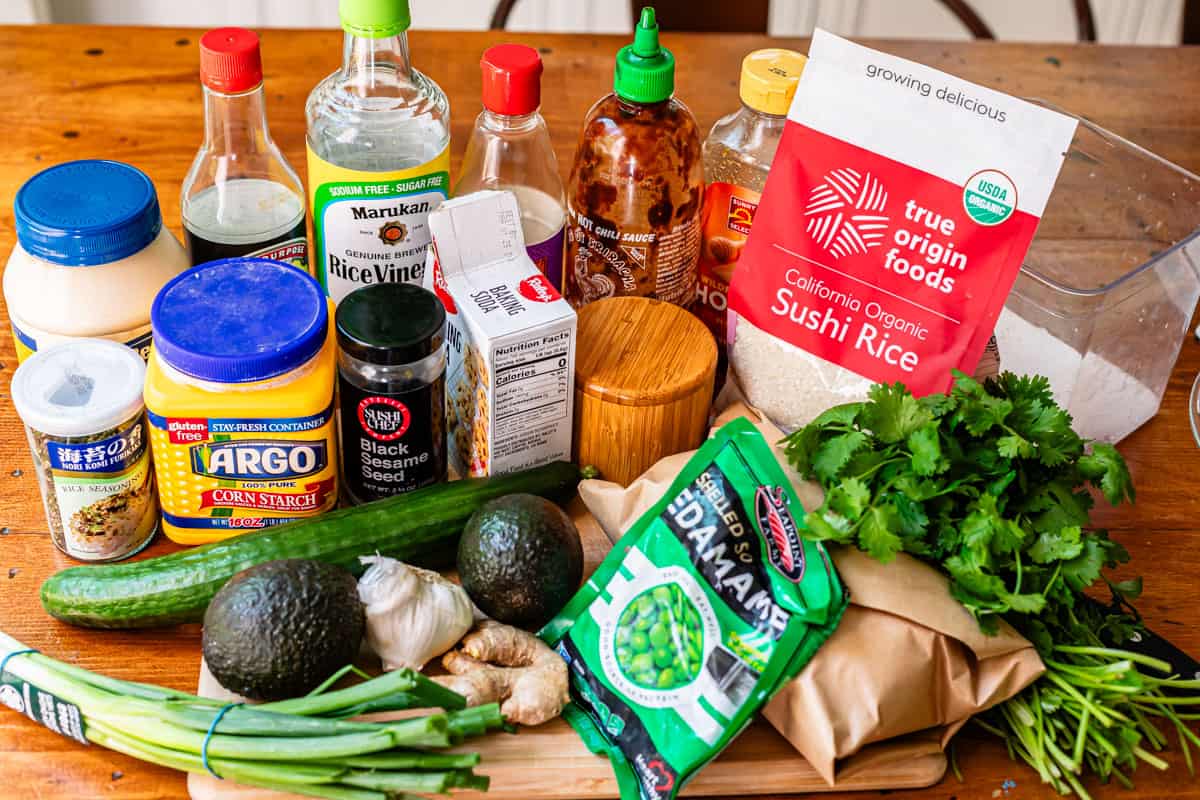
x: 708, y: 605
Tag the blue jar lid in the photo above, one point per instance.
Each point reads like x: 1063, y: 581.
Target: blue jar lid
x: 239, y: 320
x: 84, y: 213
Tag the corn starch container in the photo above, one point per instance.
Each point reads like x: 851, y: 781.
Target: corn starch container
x: 239, y: 395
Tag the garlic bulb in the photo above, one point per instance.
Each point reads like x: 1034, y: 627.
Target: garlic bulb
x: 413, y: 614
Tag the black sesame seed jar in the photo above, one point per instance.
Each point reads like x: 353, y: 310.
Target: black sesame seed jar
x: 391, y: 384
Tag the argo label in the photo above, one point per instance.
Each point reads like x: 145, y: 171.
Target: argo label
x: 230, y: 474
x: 884, y: 249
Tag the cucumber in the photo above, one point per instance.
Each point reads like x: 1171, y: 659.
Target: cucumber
x: 177, y: 588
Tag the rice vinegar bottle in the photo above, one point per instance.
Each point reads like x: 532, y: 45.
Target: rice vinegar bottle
x: 378, y: 155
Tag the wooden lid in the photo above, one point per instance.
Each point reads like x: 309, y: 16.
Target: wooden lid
x: 639, y: 352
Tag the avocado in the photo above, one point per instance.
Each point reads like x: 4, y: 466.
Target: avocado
x: 520, y: 559
x: 278, y: 629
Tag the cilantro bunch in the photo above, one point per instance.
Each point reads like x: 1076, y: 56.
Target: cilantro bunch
x: 990, y: 484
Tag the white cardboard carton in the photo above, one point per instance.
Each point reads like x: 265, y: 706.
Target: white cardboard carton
x: 510, y: 376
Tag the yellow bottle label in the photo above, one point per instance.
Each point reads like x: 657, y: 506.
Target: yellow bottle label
x: 218, y: 476
x: 372, y: 227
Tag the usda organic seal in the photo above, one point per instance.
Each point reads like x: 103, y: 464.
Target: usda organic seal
x: 989, y: 197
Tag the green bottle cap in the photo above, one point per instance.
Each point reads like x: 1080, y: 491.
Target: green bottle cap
x: 374, y: 19
x: 645, y: 70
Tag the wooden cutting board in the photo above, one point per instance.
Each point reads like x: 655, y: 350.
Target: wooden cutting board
x: 550, y: 762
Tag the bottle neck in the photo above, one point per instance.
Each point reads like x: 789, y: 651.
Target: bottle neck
x: 235, y: 123
x: 508, y: 123
x: 372, y: 66
x: 762, y: 115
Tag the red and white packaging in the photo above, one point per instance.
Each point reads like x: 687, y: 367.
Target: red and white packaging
x: 510, y: 336
x: 899, y: 207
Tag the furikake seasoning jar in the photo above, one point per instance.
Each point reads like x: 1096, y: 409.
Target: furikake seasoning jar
x: 392, y: 386
x: 81, y: 402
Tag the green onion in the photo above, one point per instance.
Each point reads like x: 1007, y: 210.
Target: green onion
x: 305, y: 745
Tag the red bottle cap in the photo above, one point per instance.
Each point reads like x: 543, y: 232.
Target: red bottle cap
x: 512, y: 79
x: 229, y: 60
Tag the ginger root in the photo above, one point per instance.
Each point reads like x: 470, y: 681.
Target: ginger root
x: 499, y: 663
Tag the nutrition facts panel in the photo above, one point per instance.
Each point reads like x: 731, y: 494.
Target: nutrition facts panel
x: 533, y: 386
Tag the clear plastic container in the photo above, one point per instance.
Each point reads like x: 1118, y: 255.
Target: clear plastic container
x: 1106, y: 294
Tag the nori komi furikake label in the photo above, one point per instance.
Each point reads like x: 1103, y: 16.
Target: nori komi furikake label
x: 707, y: 606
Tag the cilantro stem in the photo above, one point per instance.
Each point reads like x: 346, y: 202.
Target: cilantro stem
x: 1108, y: 652
x: 1172, y: 701
x: 1150, y: 758
x: 1081, y: 736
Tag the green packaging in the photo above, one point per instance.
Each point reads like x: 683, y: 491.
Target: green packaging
x: 705, y: 608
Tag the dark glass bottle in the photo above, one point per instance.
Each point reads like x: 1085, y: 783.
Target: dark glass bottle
x: 392, y: 387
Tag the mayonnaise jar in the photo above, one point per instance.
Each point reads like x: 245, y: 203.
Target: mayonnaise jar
x: 239, y: 397
x: 91, y: 254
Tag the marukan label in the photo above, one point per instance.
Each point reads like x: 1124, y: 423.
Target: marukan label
x: 887, y: 242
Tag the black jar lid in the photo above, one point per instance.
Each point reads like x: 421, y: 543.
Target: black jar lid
x: 390, y: 323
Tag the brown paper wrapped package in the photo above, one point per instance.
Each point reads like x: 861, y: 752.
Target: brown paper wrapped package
x: 907, y: 658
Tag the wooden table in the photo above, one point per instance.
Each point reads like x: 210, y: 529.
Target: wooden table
x: 133, y: 94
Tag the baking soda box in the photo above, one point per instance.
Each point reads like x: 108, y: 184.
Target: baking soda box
x: 898, y: 210
x: 510, y: 376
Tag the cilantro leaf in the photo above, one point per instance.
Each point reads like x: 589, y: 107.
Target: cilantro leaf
x: 1008, y: 536
x: 939, y: 405
x: 1104, y: 467
x: 849, y: 498
x: 877, y: 533
x: 842, y: 416
x: 911, y: 515
x: 983, y: 413
x: 827, y: 525
x: 971, y: 575
x: 1061, y: 545
x: 831, y: 456
x: 1024, y: 603
x: 1036, y: 631
x: 1130, y: 589
x: 800, y: 447
x: 1083, y: 570
x: 893, y: 413
x: 926, y: 450
x: 1025, y: 388
x: 1014, y: 446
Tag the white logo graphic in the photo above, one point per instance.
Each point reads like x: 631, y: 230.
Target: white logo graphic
x: 10, y: 697
x: 638, y: 254
x: 845, y: 212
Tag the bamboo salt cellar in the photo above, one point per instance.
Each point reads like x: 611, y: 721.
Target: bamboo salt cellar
x: 643, y: 384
